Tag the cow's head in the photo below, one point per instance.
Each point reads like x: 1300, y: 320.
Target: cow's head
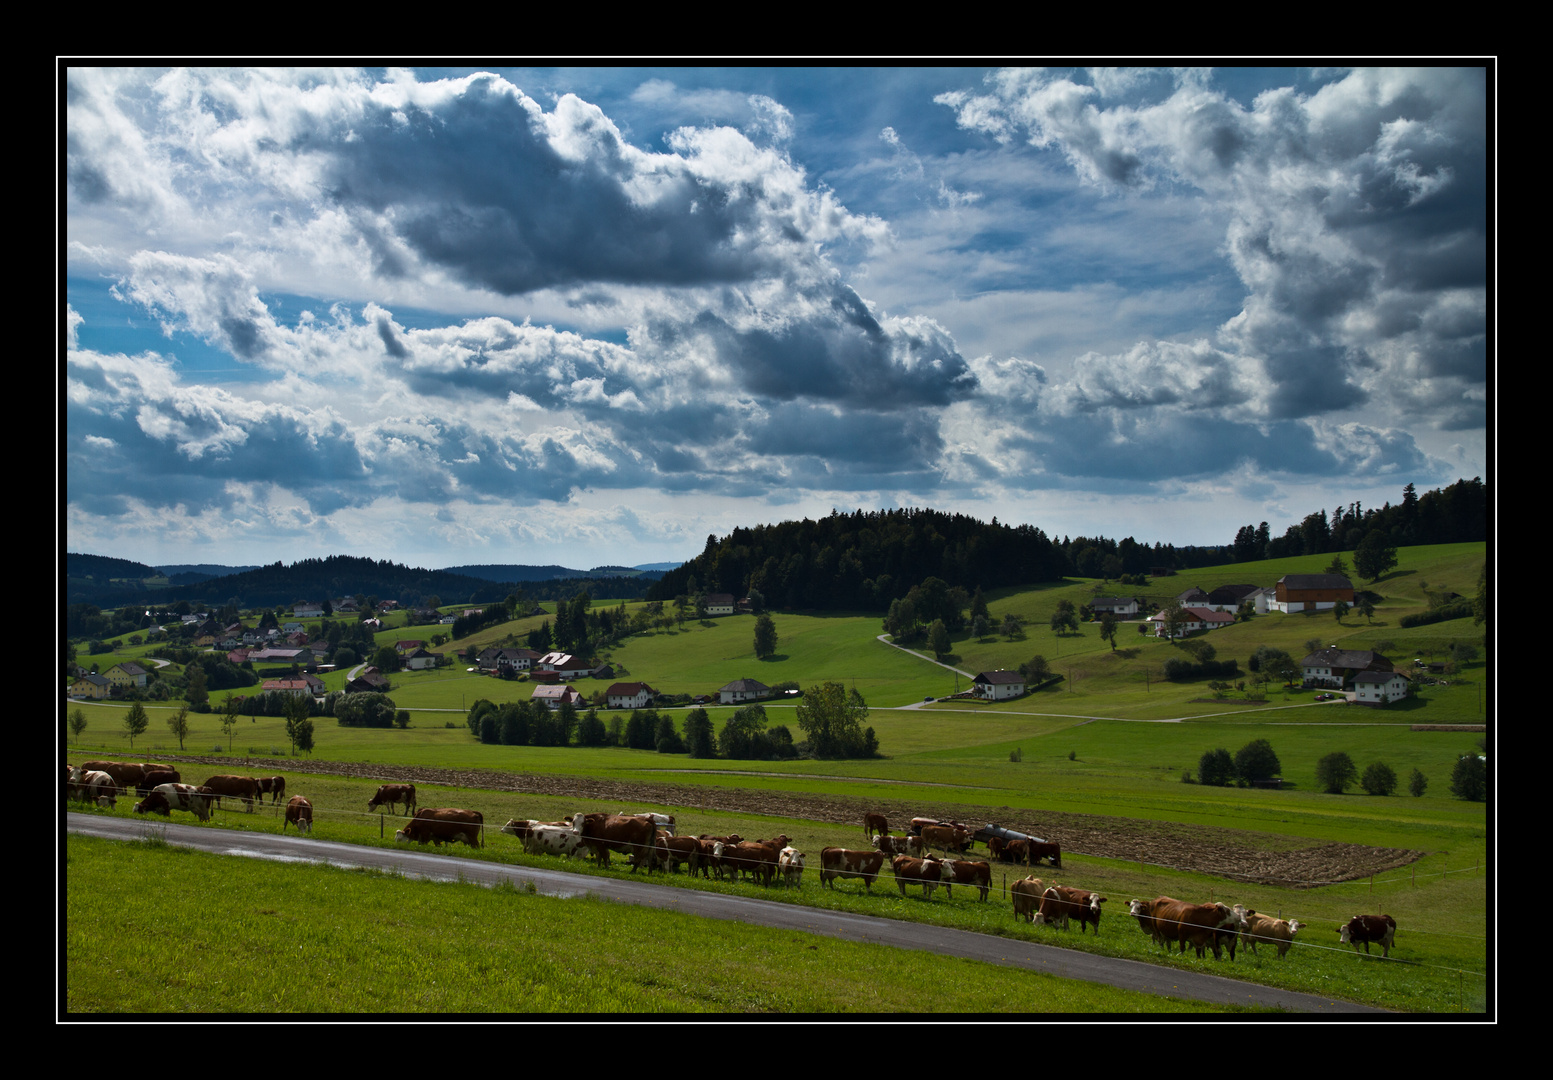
x: 1342, y: 935
x: 1140, y: 907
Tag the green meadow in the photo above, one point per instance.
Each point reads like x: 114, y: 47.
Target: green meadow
x: 1111, y: 741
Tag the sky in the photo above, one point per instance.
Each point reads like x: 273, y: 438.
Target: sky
x: 593, y: 316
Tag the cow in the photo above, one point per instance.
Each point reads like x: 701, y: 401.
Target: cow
x: 1381, y: 929
x: 628, y: 834
x: 838, y: 862
x: 1060, y: 903
x: 126, y: 775
x: 875, y: 825
x: 1200, y: 925
x: 945, y: 838
x: 299, y: 812
x: 790, y: 863
x: 709, y: 854
x: 544, y: 839
x: 665, y: 822
x: 273, y: 786
x: 925, y: 872
x: 1266, y: 928
x: 978, y: 874
x: 92, y: 786
x: 902, y: 845
x: 757, y: 858
x: 390, y: 795
x: 1051, y: 851
x: 245, y: 788
x: 1026, y: 894
x: 155, y: 778
x: 165, y: 798
x: 673, y: 850
x: 443, y: 825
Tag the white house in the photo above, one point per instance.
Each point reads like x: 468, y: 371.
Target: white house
x: 1373, y: 687
x: 997, y: 685
x: 743, y: 690
x: 628, y: 695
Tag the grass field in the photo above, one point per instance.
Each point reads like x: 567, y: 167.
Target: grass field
x: 1088, y: 747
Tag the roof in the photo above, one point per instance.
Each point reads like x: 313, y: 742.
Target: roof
x: 1344, y: 658
x: 1379, y: 676
x: 744, y: 686
x: 1315, y: 581
x: 1000, y: 677
x: 627, y: 689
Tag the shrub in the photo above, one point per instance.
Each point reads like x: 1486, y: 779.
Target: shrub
x: 1256, y: 761
x: 1016, y: 754
x: 1379, y: 779
x: 1216, y: 768
x: 1417, y: 784
x: 1335, y: 772
x: 1469, y: 778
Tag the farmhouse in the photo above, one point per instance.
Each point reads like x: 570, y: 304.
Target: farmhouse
x: 998, y: 685
x: 628, y: 695
x: 1229, y: 597
x: 501, y: 661
x: 126, y: 675
x: 1337, y: 668
x: 1116, y: 605
x: 718, y: 603
x: 556, y: 695
x: 91, y: 686
x: 1311, y: 592
x: 1199, y: 618
x: 743, y: 690
x: 563, y: 666
x: 1375, y: 687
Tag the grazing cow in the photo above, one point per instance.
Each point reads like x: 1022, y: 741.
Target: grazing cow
x: 390, y: 795
x: 155, y: 778
x: 93, y: 786
x: 838, y: 862
x: 1201, y: 925
x: 902, y: 845
x: 1266, y: 928
x: 165, y: 798
x: 1026, y: 894
x: 1381, y: 929
x: 627, y: 834
x: 245, y: 788
x: 443, y: 826
x: 875, y: 825
x: 790, y: 863
x: 299, y: 812
x: 925, y: 872
x: 1043, y: 849
x: 126, y: 775
x: 273, y: 786
x: 1059, y: 903
x: 978, y: 874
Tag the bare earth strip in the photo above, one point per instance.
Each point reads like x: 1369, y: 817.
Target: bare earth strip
x: 1233, y: 854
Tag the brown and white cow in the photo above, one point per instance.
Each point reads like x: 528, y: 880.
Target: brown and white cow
x: 965, y: 872
x: 1200, y: 925
x: 299, y: 812
x: 545, y: 839
x: 92, y: 785
x: 1026, y: 894
x: 1265, y: 928
x: 390, y: 795
x: 838, y: 862
x: 757, y: 858
x: 790, y: 864
x: 902, y: 845
x: 664, y: 822
x: 445, y: 825
x: 1381, y: 929
x: 627, y: 834
x: 165, y: 798
x: 228, y: 786
x: 925, y: 872
x: 1060, y: 903
x: 945, y: 837
x: 1049, y: 850
x: 273, y: 786
x: 875, y: 825
x: 127, y: 775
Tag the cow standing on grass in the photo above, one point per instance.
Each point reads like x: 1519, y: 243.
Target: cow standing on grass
x: 299, y: 812
x: 390, y: 795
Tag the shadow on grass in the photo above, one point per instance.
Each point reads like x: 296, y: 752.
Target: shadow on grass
x: 774, y: 658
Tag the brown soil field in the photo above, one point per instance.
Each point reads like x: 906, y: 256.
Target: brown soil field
x: 1233, y: 854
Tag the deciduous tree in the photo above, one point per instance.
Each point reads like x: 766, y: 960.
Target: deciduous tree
x: 1469, y: 778
x: 938, y: 638
x: 1256, y: 761
x: 1375, y: 555
x: 765, y: 637
x: 1417, y: 784
x: 1335, y: 772
x: 831, y: 718
x: 1379, y: 779
x: 178, y: 723
x: 77, y: 722
x: 1215, y: 768
x: 136, y: 722
x: 1109, y: 624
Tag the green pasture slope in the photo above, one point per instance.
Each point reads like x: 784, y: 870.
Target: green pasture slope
x: 1087, y: 747
x: 419, y: 947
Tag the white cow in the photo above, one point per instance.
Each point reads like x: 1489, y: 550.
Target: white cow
x: 790, y: 865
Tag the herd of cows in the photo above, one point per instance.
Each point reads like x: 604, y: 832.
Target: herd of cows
x: 649, y: 839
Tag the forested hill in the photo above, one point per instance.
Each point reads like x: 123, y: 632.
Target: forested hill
x: 865, y: 560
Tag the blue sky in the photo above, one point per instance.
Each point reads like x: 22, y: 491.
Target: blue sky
x: 591, y: 316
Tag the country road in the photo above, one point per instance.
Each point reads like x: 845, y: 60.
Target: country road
x: 1127, y: 974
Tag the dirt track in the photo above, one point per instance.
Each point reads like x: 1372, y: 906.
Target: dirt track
x: 1234, y: 854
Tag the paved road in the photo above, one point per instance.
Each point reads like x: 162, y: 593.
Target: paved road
x: 1067, y: 963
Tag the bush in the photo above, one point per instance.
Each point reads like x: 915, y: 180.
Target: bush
x: 1256, y: 762
x: 1216, y: 768
x: 1417, y: 784
x: 1379, y: 779
x: 1469, y: 778
x: 1335, y: 772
